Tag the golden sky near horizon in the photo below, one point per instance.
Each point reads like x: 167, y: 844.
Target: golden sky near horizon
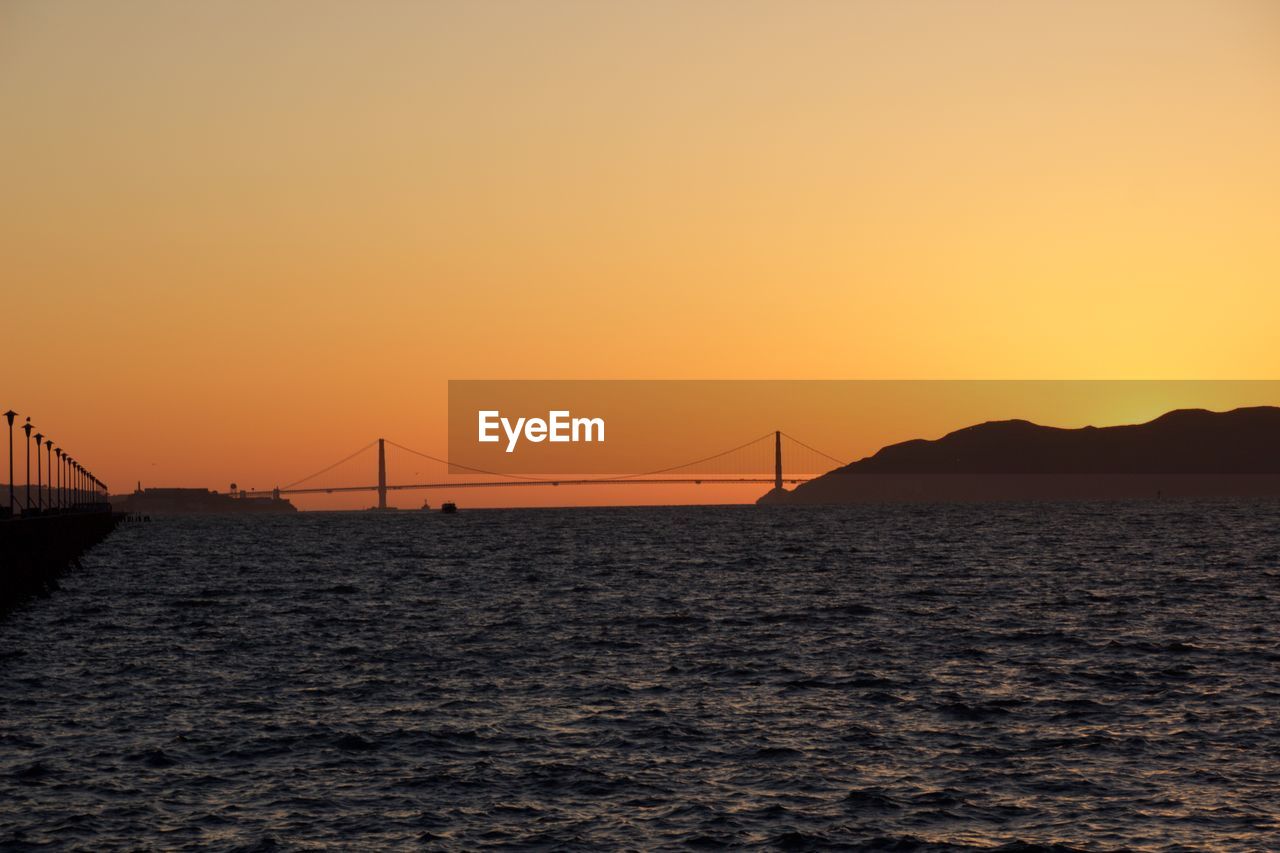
x: 240, y: 240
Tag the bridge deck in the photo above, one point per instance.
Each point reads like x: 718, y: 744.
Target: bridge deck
x: 476, y: 484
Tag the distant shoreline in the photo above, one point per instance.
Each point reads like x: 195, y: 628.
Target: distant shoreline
x: 857, y: 488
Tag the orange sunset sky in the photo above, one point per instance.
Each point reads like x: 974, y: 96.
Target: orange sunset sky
x: 239, y: 240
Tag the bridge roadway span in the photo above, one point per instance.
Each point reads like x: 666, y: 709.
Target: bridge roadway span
x: 620, y: 481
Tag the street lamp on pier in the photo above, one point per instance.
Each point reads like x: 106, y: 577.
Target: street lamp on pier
x: 48, y: 470
x: 27, y: 429
x: 57, y: 451
x: 10, y: 415
x: 39, y: 475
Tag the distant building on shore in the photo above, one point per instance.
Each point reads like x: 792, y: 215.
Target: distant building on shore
x: 195, y: 502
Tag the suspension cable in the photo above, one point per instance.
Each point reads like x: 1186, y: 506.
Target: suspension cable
x: 331, y: 467
x: 468, y: 467
x: 815, y: 450
x: 553, y: 479
x: 696, y: 461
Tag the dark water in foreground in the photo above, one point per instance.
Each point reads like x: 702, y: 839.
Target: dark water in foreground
x: 1099, y: 676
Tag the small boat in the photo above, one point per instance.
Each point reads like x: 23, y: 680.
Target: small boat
x: 426, y: 505
x: 448, y: 506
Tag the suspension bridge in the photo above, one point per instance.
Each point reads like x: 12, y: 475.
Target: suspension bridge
x: 745, y: 463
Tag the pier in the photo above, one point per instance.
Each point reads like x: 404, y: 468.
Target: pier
x: 47, y: 524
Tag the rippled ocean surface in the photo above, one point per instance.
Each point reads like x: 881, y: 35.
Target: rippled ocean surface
x: 1091, y: 676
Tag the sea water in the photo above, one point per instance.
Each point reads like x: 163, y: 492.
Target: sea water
x: 1087, y: 676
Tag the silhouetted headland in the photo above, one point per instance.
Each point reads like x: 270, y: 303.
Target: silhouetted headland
x: 1184, y: 453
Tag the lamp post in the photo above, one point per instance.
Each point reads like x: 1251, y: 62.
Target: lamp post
x: 39, y: 475
x: 27, y: 429
x: 57, y: 451
x: 10, y: 415
x: 48, y: 470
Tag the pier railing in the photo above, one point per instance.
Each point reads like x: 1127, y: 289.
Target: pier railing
x: 62, y: 484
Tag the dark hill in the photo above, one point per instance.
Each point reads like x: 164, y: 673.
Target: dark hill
x: 1188, y: 451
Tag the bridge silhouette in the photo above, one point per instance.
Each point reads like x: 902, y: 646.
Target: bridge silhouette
x: 743, y: 464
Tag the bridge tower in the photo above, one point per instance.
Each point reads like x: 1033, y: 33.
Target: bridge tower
x: 382, y: 473
x: 777, y: 459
